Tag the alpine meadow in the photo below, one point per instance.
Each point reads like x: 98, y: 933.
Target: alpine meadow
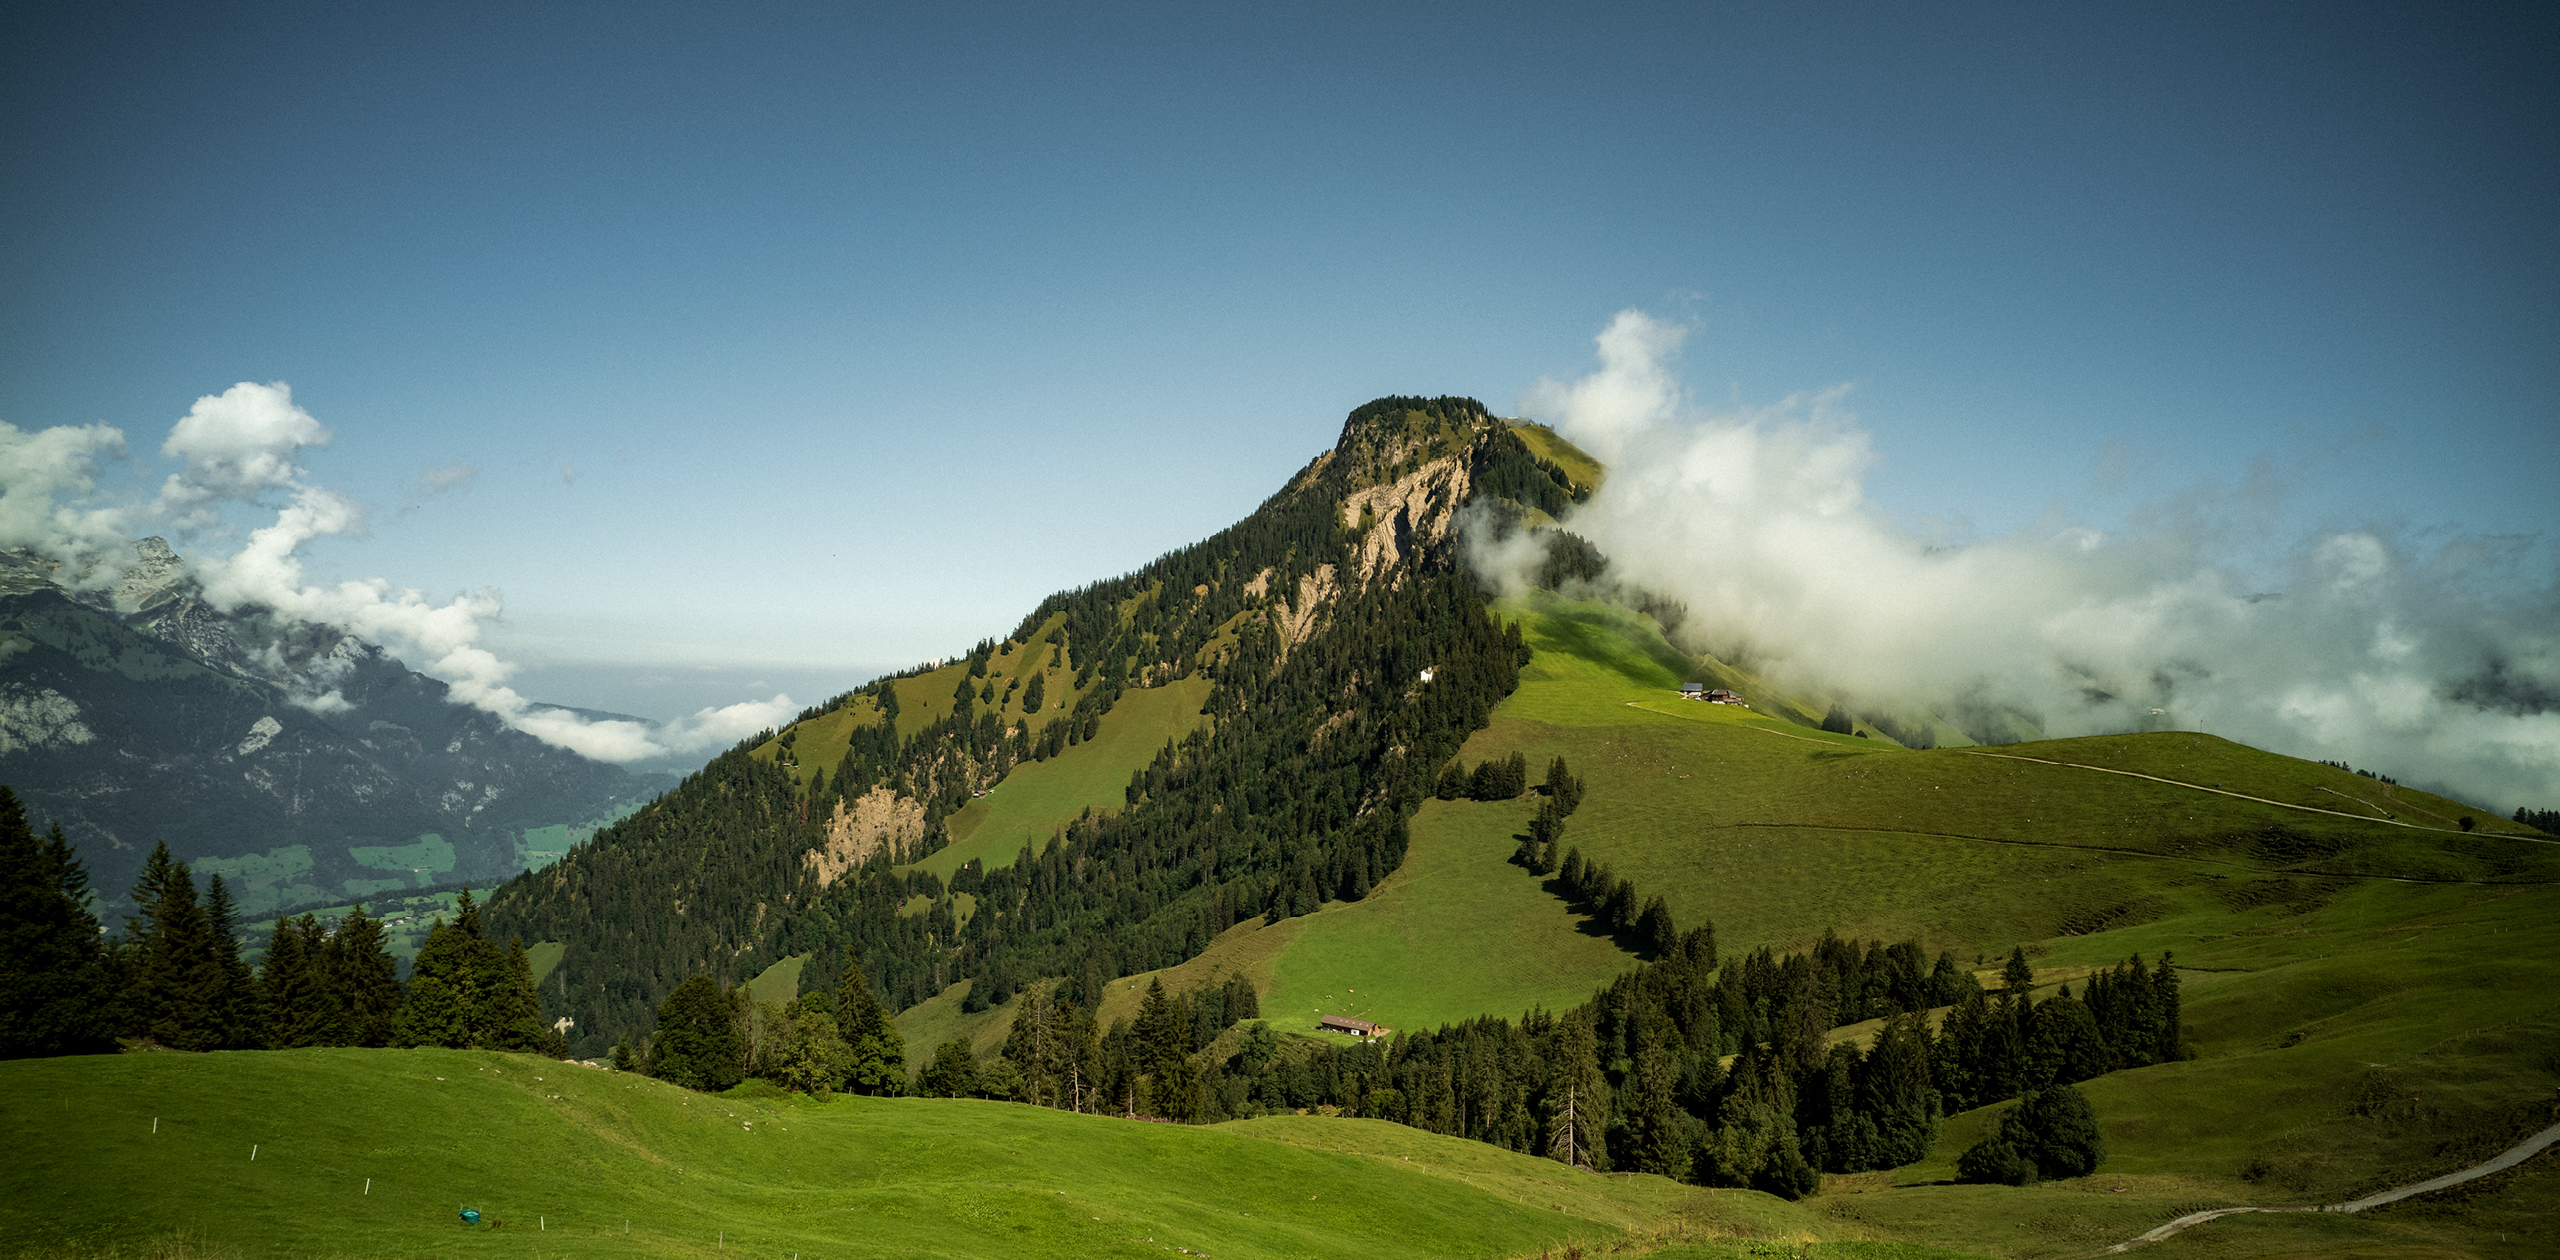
x: 1332, y: 887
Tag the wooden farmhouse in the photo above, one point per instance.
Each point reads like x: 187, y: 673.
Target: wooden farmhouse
x: 1345, y: 1024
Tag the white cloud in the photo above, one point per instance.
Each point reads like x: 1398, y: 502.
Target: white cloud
x: 45, y: 479
x: 2437, y: 665
x: 238, y: 444
x: 241, y: 446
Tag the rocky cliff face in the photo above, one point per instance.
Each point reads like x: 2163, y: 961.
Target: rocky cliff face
x: 303, y: 763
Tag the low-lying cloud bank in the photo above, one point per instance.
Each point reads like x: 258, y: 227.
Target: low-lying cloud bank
x: 2437, y: 664
x: 242, y: 446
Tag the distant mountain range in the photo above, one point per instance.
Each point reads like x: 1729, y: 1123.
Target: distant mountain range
x: 307, y: 766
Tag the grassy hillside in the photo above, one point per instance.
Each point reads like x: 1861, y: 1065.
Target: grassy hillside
x: 576, y: 1161
x: 1039, y: 797
x: 2343, y: 940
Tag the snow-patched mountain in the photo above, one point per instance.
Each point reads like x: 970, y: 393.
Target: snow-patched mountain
x: 302, y: 762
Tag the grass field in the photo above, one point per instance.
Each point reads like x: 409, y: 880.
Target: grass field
x: 570, y: 1158
x: 1039, y: 797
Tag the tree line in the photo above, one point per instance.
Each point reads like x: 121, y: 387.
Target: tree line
x: 176, y: 977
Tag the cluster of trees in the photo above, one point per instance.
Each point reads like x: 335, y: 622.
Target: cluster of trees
x: 53, y: 975
x: 1056, y: 1056
x: 1634, y: 1079
x: 1992, y: 1050
x: 175, y: 977
x: 1295, y: 793
x: 710, y: 1037
x: 2379, y: 778
x: 2546, y: 821
x: 1613, y: 901
x: 1494, y: 779
x: 466, y: 992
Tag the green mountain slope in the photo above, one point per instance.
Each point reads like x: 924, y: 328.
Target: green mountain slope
x: 1250, y: 722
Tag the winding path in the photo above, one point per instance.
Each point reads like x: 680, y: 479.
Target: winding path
x: 2509, y: 1158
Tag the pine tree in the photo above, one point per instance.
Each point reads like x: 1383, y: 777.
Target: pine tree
x: 1562, y: 788
x: 295, y: 1005
x: 1576, y: 1102
x: 879, y: 1064
x: 1895, y: 1091
x: 442, y: 994
x: 168, y: 1003
x: 231, y: 990
x: 364, y: 980
x: 514, y: 1017
x: 2170, y: 1043
x: 1453, y: 783
x: 1655, y: 930
x: 1653, y: 1116
x: 53, y: 981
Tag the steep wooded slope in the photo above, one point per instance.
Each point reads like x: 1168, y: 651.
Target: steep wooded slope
x: 1346, y: 657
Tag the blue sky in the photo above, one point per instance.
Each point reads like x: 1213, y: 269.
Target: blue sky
x: 789, y: 343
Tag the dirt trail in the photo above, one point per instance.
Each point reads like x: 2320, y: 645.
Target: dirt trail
x: 2509, y: 1158
x: 2308, y: 809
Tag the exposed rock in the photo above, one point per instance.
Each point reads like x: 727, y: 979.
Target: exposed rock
x: 879, y: 817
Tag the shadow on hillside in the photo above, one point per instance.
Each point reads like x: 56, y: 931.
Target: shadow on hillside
x: 1587, y: 915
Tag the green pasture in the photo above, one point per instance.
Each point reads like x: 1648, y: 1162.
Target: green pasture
x: 1038, y: 797
x: 1458, y: 931
x: 779, y: 982
x: 562, y: 1160
x: 1547, y: 444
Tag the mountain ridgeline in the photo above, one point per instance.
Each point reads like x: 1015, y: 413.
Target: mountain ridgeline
x: 304, y: 763
x: 1346, y: 657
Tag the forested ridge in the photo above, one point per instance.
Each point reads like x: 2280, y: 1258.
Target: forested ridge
x: 1322, y: 737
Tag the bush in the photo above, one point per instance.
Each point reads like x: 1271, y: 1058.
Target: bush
x: 2050, y: 1133
x: 1995, y: 1162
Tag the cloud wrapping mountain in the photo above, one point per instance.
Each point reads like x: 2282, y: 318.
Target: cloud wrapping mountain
x: 241, y: 447
x: 2436, y: 663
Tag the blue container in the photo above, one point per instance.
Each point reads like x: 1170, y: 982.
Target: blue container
x: 470, y: 1216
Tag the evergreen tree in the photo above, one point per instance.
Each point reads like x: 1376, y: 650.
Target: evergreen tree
x: 879, y: 1053
x: 232, y: 991
x: 514, y: 1018
x: 53, y: 981
x: 697, y: 1043
x: 364, y: 980
x: 1895, y: 1091
x: 296, y: 1005
x: 170, y: 1001
x: 1562, y: 788
x: 1035, y: 692
x: 446, y: 1005
x: 1653, y: 1116
x: 1655, y: 930
x: 1577, y: 1106
x: 951, y: 1073
x: 2170, y: 1045
x: 2063, y: 1044
x: 1453, y: 783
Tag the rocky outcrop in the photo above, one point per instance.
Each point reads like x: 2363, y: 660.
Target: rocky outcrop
x: 878, y: 818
